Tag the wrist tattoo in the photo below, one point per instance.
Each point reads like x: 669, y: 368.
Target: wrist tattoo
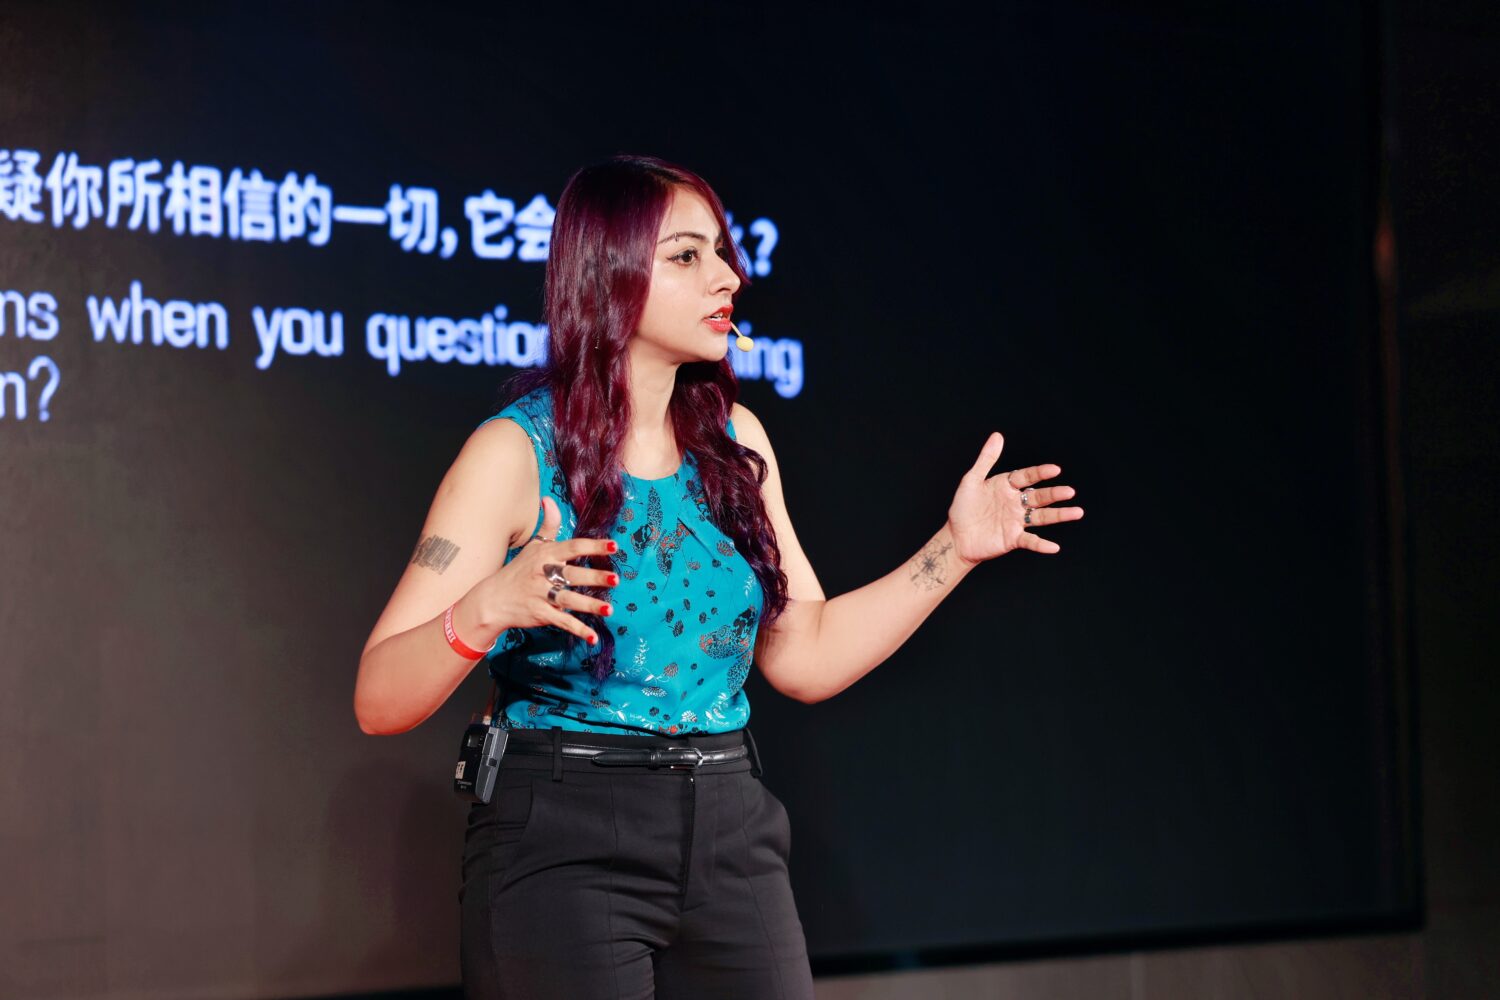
x: 929, y: 568
x: 434, y: 552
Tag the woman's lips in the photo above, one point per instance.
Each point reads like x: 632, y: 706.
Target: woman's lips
x: 719, y: 321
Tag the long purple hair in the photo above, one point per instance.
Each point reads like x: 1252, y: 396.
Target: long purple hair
x: 598, y: 277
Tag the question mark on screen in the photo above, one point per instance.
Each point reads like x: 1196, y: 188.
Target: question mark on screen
x: 766, y: 230
x: 39, y: 364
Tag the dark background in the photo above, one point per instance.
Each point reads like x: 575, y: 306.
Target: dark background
x: 1140, y: 245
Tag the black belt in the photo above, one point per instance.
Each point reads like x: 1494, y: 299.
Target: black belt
x: 674, y: 758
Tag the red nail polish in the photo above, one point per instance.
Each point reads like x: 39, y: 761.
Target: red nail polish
x: 613, y: 547
x: 614, y: 580
x: 606, y: 611
x: 593, y: 639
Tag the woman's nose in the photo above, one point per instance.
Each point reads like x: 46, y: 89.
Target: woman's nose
x: 724, y: 279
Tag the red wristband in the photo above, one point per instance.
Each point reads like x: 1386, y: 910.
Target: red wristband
x: 459, y: 646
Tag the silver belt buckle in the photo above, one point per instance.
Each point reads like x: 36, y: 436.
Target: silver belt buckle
x: 688, y: 767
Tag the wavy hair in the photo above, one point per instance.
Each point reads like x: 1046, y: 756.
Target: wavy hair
x: 599, y: 270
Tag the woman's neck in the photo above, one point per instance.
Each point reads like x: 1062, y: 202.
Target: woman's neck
x: 650, y: 442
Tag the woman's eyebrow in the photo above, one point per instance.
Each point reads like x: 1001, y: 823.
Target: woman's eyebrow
x: 690, y: 235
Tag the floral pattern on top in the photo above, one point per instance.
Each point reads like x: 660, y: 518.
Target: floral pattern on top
x: 686, y: 613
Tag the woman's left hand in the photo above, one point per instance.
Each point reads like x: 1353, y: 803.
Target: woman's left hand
x: 991, y: 515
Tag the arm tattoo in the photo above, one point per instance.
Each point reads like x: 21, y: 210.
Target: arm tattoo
x: 435, y: 553
x: 929, y: 568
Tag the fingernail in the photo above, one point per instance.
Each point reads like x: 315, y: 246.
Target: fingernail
x: 613, y: 547
x: 606, y: 611
x: 614, y: 580
x: 593, y: 639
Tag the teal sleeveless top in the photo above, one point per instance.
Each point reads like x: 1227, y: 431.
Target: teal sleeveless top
x: 685, y: 613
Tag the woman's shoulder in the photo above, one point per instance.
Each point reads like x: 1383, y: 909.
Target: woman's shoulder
x: 498, y: 445
x: 746, y: 428
x: 531, y: 413
x: 532, y: 407
x: 510, y: 434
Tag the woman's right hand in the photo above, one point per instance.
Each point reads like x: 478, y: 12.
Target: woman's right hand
x: 517, y: 593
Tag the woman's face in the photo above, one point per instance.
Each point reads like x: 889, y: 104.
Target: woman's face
x: 687, y: 310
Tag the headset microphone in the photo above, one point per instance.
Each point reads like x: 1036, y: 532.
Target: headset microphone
x: 744, y: 343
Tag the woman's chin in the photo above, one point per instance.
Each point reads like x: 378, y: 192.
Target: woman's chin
x: 711, y: 355
x: 706, y: 351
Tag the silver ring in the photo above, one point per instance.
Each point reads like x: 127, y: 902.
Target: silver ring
x: 1026, y: 497
x: 554, y: 574
x: 552, y: 595
x: 539, y: 537
x: 1029, y: 512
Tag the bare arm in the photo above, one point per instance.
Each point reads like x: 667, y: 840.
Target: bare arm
x: 486, y: 504
x: 819, y: 647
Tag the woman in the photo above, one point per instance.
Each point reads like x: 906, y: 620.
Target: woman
x: 629, y: 849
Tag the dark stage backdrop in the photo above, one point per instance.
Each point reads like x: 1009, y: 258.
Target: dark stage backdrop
x: 263, y: 274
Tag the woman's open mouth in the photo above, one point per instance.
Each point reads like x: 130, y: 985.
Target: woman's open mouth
x: 719, y: 321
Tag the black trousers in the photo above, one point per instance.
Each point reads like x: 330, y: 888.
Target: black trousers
x: 595, y: 883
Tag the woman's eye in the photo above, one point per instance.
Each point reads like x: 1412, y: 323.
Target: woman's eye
x: 723, y: 252
x: 687, y: 256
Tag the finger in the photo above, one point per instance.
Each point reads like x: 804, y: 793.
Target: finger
x: 572, y: 600
x: 577, y: 548
x: 1045, y: 546
x: 1054, y: 515
x: 1050, y: 495
x: 582, y: 576
x: 551, y: 519
x: 568, y: 623
x: 1022, y: 478
x: 988, y: 455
